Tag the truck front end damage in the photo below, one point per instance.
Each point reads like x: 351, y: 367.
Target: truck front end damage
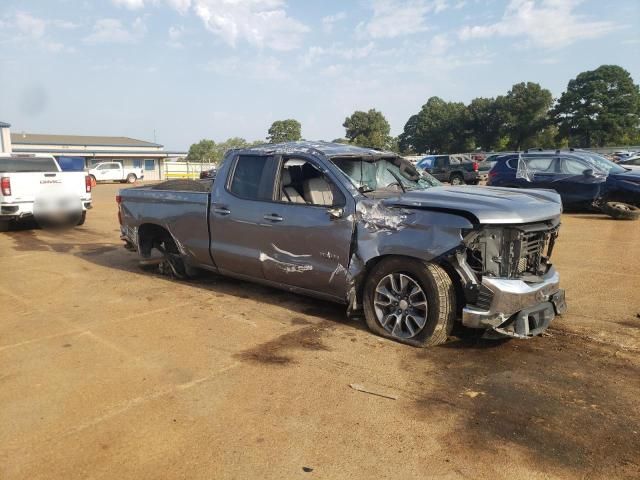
x: 511, y: 287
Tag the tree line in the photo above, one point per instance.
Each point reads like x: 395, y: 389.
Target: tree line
x: 599, y: 107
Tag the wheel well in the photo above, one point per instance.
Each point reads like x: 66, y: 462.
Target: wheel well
x: 131, y: 173
x: 371, y: 263
x: 151, y: 235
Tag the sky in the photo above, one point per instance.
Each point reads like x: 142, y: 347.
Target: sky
x: 177, y: 71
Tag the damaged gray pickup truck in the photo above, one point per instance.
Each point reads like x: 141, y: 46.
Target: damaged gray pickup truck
x: 363, y: 228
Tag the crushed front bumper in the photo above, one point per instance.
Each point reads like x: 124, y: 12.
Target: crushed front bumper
x: 517, y: 308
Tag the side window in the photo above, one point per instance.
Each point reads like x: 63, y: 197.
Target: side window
x: 301, y: 182
x: 251, y: 178
x: 439, y: 162
x: 540, y: 164
x: 104, y: 166
x: 572, y: 166
x: 454, y: 161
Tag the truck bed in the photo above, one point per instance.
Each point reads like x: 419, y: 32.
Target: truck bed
x: 176, y: 205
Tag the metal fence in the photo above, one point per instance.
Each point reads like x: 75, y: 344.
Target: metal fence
x: 185, y: 169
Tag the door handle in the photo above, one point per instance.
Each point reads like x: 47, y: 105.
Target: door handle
x: 222, y: 210
x: 273, y: 217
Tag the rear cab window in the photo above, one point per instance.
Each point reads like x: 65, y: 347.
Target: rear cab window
x: 252, y: 178
x: 27, y: 164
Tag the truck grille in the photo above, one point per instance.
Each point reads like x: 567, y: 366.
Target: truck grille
x: 532, y: 251
x: 512, y: 252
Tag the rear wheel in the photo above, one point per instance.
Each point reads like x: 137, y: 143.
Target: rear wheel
x: 456, y: 179
x: 410, y: 301
x: 5, y: 225
x: 621, y: 211
x: 83, y: 217
x: 131, y: 178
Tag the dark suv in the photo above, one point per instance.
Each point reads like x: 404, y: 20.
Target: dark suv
x: 583, y: 179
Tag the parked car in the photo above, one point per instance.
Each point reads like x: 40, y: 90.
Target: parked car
x: 631, y: 163
x: 210, y: 173
x: 115, y: 172
x: 455, y: 169
x: 584, y: 180
x: 363, y: 228
x: 34, y: 185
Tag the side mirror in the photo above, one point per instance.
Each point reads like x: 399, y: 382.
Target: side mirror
x: 335, y: 212
x: 588, y: 172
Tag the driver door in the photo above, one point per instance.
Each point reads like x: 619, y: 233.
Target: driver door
x: 576, y: 189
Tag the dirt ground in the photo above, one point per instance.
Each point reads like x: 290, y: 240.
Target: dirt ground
x: 110, y: 372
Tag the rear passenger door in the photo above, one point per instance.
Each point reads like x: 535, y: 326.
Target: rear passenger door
x: 237, y: 223
x: 439, y: 169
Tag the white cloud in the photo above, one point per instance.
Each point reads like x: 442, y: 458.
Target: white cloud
x: 395, y: 18
x: 545, y: 23
x: 330, y: 20
x: 440, y: 44
x: 111, y: 30
x: 336, y: 51
x: 30, y: 26
x: 181, y: 6
x: 130, y: 4
x: 175, y: 35
x: 24, y: 29
x: 261, y: 23
x: 261, y: 68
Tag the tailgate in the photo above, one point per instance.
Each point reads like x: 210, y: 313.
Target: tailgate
x: 28, y: 186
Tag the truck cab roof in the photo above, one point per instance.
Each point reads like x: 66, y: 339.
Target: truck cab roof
x: 327, y: 149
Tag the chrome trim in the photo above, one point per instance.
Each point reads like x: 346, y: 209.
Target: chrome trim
x: 510, y: 297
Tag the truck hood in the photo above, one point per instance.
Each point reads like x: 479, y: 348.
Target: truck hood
x: 489, y: 205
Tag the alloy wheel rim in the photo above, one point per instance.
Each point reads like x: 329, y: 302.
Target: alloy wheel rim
x: 400, y: 305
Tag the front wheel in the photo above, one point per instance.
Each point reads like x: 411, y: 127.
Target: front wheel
x: 131, y: 178
x: 621, y: 211
x: 456, y: 179
x: 410, y: 301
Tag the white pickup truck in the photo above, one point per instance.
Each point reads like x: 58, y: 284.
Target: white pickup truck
x: 115, y: 172
x: 34, y: 185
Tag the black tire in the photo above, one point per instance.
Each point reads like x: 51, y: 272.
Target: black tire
x: 83, y: 218
x: 456, y: 179
x: 131, y: 178
x: 5, y: 225
x: 621, y: 211
x: 438, y: 288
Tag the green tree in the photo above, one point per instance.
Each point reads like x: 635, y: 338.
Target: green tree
x: 486, y: 121
x: 439, y: 127
x: 368, y: 129
x: 600, y: 107
x: 526, y: 108
x: 204, y: 151
x: 285, y: 131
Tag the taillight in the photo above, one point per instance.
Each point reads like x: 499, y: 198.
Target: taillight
x: 119, y: 201
x: 5, y: 186
x: 87, y: 183
x: 475, y: 166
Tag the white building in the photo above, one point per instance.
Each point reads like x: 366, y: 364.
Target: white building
x: 74, y: 150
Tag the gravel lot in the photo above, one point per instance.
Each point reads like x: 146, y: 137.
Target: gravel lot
x: 110, y: 372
